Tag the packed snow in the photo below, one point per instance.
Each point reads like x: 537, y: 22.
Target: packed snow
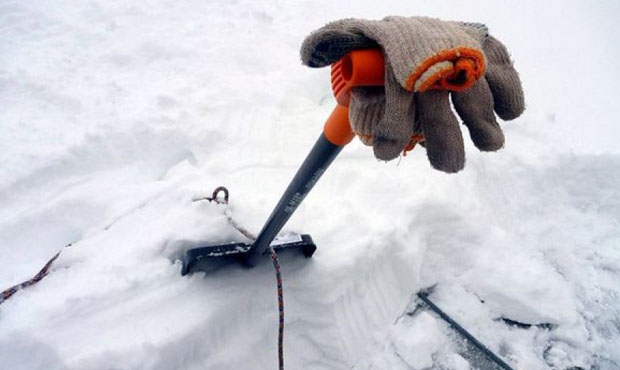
x: 116, y: 116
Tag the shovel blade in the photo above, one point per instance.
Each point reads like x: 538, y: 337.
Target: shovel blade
x: 211, y: 258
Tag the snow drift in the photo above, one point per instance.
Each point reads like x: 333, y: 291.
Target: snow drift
x: 117, y: 115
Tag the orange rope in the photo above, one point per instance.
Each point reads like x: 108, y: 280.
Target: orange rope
x: 274, y: 259
x: 6, y: 294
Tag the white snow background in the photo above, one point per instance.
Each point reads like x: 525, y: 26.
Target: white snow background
x: 115, y: 115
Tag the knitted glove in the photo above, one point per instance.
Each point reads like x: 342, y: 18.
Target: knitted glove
x: 500, y: 91
x: 430, y: 56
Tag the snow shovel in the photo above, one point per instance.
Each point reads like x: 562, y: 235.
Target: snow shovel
x: 358, y: 68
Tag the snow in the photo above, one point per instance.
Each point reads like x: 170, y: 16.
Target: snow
x: 118, y: 115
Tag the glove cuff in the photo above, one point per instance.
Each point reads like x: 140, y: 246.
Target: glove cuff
x: 427, y: 53
x: 424, y: 53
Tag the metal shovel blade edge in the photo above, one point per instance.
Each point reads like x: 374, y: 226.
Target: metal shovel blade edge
x: 213, y: 257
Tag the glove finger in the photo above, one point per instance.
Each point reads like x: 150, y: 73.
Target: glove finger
x: 443, y: 138
x: 393, y: 132
x: 503, y: 80
x: 475, y: 107
x: 366, y: 107
x: 332, y: 41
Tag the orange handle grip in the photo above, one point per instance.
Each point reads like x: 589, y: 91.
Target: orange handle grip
x: 357, y: 68
x: 337, y: 128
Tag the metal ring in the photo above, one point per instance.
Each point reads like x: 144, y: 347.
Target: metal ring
x: 215, y: 198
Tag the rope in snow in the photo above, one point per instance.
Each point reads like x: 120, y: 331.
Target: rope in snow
x: 6, y: 294
x: 274, y: 259
x: 276, y: 266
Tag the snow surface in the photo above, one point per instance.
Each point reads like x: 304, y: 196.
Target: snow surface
x: 116, y: 115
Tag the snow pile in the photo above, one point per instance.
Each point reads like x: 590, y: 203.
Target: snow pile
x: 118, y: 115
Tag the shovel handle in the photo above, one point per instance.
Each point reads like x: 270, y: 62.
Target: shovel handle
x: 358, y: 68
